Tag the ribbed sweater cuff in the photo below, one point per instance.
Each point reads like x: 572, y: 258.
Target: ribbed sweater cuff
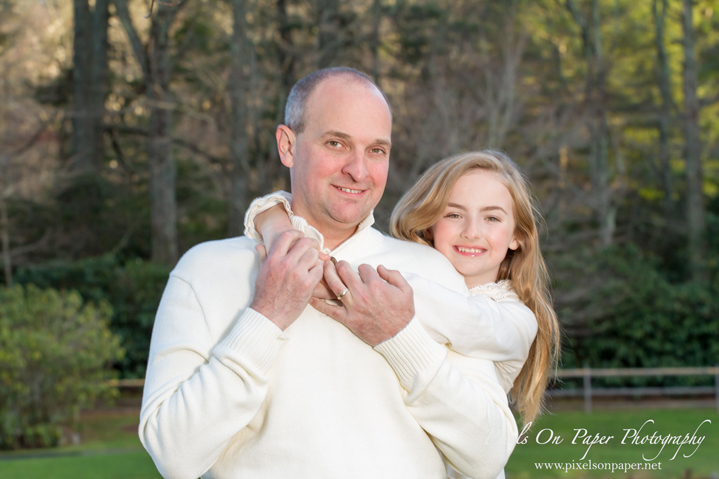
x: 255, y: 339
x: 412, y: 352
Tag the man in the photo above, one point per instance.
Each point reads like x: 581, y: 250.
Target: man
x: 245, y: 379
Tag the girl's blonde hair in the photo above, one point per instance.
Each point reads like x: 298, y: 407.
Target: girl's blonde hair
x: 422, y: 206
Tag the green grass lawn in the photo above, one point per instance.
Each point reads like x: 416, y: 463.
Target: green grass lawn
x: 703, y: 464
x: 110, y: 448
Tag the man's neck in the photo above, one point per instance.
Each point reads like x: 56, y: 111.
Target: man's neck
x: 336, y: 238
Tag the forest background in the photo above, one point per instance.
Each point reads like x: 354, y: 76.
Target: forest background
x: 127, y: 139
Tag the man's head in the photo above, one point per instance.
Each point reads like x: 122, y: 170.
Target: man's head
x: 336, y: 142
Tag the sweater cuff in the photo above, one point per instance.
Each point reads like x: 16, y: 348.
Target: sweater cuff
x: 254, y: 341
x: 414, y: 356
x: 262, y: 204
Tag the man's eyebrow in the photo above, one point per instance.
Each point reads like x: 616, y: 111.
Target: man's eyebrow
x: 345, y: 136
x: 336, y: 134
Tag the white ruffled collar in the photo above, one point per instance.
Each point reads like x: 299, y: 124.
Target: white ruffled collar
x: 501, y: 290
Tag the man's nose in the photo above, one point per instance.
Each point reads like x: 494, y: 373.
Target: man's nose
x: 356, y: 166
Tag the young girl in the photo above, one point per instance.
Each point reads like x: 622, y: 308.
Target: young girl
x: 475, y: 208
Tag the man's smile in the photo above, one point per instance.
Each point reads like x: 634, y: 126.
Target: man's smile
x: 349, y: 190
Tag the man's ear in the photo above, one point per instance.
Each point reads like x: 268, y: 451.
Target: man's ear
x: 286, y: 141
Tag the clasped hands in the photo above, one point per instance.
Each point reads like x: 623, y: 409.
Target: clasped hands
x: 378, y: 303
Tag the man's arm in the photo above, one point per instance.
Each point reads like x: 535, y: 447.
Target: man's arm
x: 198, y: 395
x: 458, y: 401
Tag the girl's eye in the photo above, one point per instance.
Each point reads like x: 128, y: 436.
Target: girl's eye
x: 492, y: 218
x: 452, y: 215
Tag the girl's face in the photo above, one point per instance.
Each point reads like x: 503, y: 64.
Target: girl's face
x: 477, y: 227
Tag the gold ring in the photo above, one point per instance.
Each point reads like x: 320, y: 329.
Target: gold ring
x: 342, y: 294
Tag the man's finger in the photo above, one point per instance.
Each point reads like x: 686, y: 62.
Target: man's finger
x: 337, y: 313
x: 299, y: 248
x: 309, y: 260
x: 285, y: 241
x: 322, y: 291
x: 394, y: 278
x: 367, y: 273
x: 336, y: 285
x: 348, y: 276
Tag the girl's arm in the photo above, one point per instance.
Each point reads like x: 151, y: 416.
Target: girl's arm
x: 476, y: 326
x: 272, y: 223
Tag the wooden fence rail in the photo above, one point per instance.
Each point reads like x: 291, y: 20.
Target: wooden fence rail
x: 587, y: 391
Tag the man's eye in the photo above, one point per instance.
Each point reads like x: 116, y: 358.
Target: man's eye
x: 334, y: 143
x: 377, y: 151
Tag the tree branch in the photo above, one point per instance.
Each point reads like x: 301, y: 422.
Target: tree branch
x: 140, y: 54
x: 177, y: 141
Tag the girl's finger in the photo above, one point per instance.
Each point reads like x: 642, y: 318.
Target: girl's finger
x: 262, y: 252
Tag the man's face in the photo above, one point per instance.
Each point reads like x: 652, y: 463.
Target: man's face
x: 340, y: 161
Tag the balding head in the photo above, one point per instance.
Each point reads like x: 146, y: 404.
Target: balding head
x: 296, y: 107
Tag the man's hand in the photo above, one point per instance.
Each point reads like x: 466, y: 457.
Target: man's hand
x: 377, y: 305
x: 287, y: 278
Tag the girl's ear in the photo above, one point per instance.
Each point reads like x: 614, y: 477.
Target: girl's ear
x: 427, y: 234
x: 514, y: 245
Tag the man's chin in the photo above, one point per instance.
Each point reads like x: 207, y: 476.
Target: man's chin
x: 347, y: 219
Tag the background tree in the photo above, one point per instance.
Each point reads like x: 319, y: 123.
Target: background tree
x: 611, y: 109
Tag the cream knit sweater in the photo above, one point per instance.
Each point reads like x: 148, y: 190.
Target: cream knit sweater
x: 230, y: 395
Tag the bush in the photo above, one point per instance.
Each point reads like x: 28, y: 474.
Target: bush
x: 133, y: 289
x: 635, y: 318
x: 54, y: 353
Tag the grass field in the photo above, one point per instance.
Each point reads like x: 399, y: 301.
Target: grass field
x: 704, y: 463
x: 111, y: 450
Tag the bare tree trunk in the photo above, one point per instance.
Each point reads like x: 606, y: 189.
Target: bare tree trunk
x: 695, y: 197
x: 664, y: 123
x: 286, y: 53
x: 597, y: 119
x: 82, y: 61
x: 156, y: 71
x: 329, y: 32
x: 5, y: 233
x: 240, y: 172
x: 98, y: 74
x: 163, y: 171
x: 374, y: 42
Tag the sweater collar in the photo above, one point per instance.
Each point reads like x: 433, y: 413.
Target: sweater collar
x: 310, y: 231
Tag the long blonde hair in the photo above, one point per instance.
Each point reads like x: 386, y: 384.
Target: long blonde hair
x: 422, y: 206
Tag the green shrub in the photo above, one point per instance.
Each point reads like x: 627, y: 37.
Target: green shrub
x: 54, y: 356
x: 133, y: 289
x: 635, y: 318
